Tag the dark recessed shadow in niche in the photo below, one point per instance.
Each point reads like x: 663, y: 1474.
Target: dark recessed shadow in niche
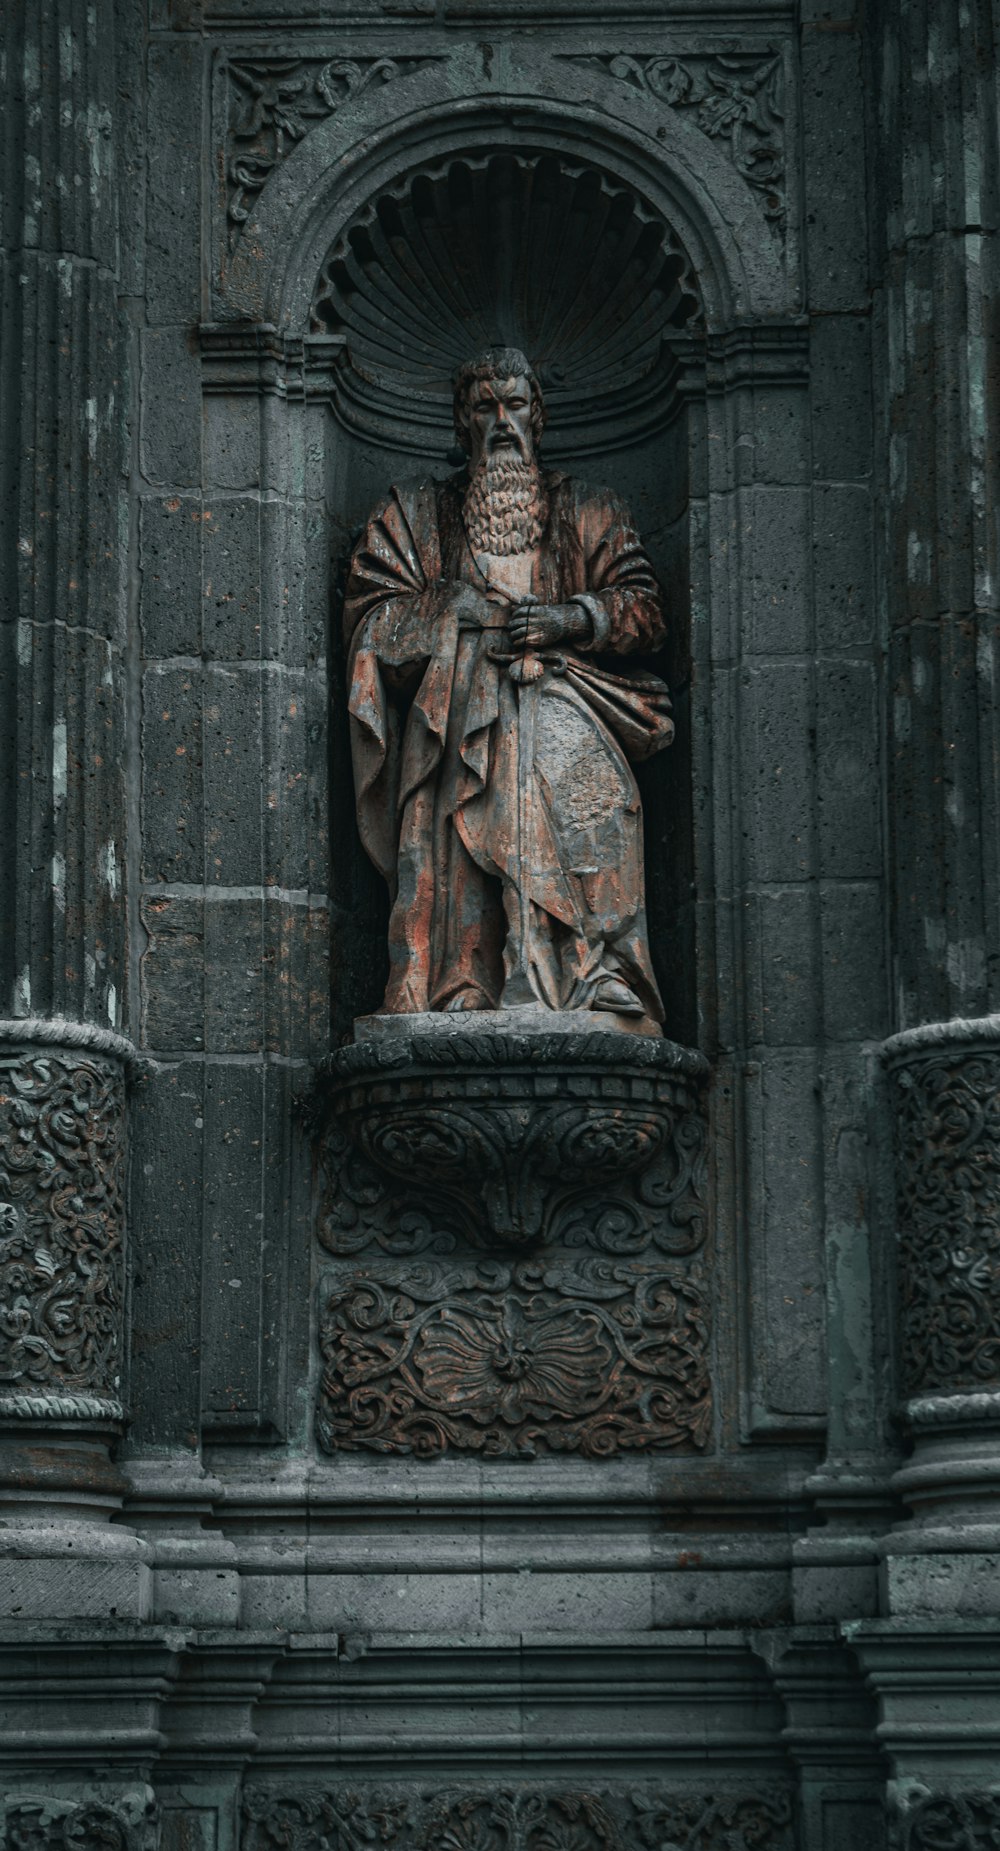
x: 520, y: 249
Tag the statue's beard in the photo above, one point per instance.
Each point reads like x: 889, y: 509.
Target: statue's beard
x: 506, y: 507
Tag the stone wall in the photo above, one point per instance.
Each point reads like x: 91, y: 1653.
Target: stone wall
x: 232, y: 1612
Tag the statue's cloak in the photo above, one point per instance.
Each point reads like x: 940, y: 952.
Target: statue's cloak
x: 438, y: 742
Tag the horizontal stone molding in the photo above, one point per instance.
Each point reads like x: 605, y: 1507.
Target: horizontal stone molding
x: 952, y: 1410
x: 61, y: 1407
x: 56, y: 1031
x: 960, y: 1031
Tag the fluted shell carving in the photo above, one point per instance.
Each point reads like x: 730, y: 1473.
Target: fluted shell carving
x: 533, y: 251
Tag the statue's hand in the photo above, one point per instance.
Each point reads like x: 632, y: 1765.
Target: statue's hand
x: 540, y: 626
x: 474, y: 610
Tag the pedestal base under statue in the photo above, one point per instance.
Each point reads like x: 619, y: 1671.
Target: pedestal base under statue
x: 519, y: 1234
x: 500, y: 1124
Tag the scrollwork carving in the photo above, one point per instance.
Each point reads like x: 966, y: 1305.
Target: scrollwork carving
x: 33, y: 1823
x: 272, y: 103
x: 596, y: 1358
x: 735, y: 98
x: 62, y: 1159
x: 953, y: 1822
x: 948, y: 1213
x: 696, y: 1823
x: 518, y: 1819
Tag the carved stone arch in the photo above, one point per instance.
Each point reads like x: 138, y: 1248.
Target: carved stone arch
x: 378, y: 134
x: 738, y: 444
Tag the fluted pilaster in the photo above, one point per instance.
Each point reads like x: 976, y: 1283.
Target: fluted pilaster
x: 63, y: 1066
x: 62, y: 522
x: 938, y: 381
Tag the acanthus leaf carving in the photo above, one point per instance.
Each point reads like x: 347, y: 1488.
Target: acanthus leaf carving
x: 953, y: 1822
x: 62, y: 1160
x: 736, y: 98
x: 520, y: 1818
x: 35, y: 1822
x: 271, y: 105
x: 948, y: 1216
x: 506, y: 1360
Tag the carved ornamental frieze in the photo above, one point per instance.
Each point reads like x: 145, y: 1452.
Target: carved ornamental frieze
x: 506, y: 1361
x: 62, y: 1175
x: 639, y: 1818
x: 946, y: 1093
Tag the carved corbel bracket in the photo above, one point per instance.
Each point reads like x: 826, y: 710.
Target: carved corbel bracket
x: 504, y: 1140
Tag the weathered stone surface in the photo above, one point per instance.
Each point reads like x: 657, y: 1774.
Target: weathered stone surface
x: 244, y: 243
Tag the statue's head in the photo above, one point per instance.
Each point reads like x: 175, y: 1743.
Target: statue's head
x: 499, y: 408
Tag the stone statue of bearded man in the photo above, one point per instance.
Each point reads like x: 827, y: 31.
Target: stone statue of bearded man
x: 491, y: 740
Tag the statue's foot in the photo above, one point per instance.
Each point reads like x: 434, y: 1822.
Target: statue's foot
x: 466, y: 999
x: 614, y: 995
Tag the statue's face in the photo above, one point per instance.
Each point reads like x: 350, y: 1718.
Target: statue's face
x: 500, y: 419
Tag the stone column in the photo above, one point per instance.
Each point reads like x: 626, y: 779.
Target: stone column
x: 936, y: 157
x: 944, y: 1083
x: 937, y: 379
x: 63, y: 546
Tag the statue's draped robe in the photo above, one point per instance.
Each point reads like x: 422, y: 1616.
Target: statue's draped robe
x: 504, y: 817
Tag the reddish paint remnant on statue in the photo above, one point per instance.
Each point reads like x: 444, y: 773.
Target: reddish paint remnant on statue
x: 491, y: 743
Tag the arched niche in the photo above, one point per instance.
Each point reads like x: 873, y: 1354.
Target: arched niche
x: 558, y: 257
x: 723, y: 457
x: 436, y: 106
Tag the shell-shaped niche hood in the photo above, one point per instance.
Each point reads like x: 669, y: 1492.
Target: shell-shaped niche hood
x: 523, y: 250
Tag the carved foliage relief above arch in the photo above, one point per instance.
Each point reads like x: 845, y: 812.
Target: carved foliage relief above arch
x: 272, y: 103
x: 308, y: 134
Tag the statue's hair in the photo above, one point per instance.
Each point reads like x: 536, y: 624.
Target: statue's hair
x: 495, y: 363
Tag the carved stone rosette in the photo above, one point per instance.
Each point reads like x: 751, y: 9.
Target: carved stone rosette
x: 519, y: 1226
x: 945, y: 1087
x: 62, y: 1181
